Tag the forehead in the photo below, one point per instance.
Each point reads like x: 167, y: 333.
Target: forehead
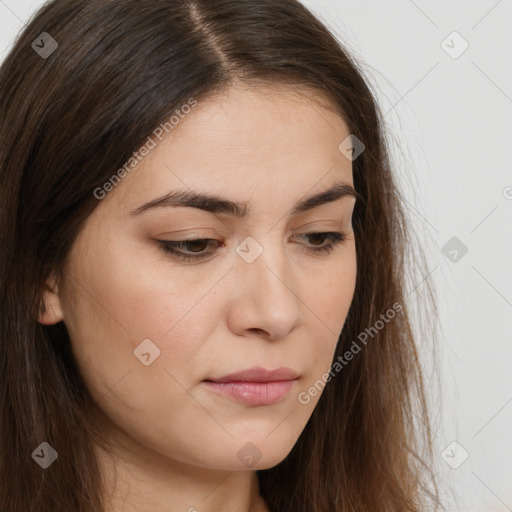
x: 244, y: 118
x: 245, y: 139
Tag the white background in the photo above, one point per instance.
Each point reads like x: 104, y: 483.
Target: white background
x: 450, y: 120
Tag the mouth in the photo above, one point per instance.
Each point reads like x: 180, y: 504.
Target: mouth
x: 253, y: 393
x: 255, y: 386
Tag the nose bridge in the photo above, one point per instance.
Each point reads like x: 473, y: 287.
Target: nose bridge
x: 267, y: 293
x: 265, y: 260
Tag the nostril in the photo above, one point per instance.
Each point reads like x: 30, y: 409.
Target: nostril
x: 259, y: 331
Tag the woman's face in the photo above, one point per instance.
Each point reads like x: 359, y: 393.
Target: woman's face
x: 149, y: 328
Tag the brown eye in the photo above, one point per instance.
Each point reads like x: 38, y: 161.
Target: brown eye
x: 318, y: 238
x: 195, y: 249
x: 198, y: 245
x: 334, y: 239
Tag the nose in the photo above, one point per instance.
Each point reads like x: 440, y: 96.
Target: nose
x: 265, y: 295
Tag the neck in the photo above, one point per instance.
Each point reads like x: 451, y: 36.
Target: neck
x: 147, y: 482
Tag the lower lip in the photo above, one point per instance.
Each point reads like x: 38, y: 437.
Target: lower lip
x: 253, y: 393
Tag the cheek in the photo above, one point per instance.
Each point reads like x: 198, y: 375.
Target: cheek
x: 120, y: 315
x: 108, y: 322
x: 327, y: 296
x: 329, y: 290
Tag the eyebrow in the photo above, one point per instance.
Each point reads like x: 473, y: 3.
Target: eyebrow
x: 217, y: 204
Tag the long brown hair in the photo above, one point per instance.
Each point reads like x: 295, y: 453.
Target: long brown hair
x: 71, y: 117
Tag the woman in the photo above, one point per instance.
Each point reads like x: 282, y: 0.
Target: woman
x: 203, y: 303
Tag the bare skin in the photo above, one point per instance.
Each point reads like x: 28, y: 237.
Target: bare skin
x: 177, y: 443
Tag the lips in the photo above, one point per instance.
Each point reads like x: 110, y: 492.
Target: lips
x: 258, y: 374
x: 255, y: 386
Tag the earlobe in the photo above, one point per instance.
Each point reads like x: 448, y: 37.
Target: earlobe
x: 50, y: 311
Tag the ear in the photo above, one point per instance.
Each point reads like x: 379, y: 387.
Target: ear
x: 50, y: 311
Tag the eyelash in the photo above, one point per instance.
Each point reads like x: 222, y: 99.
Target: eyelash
x: 170, y: 247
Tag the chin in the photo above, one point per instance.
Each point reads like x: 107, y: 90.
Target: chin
x: 249, y: 455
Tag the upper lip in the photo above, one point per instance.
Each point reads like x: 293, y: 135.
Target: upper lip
x: 258, y: 374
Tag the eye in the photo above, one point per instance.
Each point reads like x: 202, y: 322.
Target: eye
x: 197, y: 247
x: 334, y: 238
x: 198, y: 244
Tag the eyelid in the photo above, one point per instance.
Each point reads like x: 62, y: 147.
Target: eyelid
x: 335, y: 238
x: 193, y: 233
x: 200, y: 233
